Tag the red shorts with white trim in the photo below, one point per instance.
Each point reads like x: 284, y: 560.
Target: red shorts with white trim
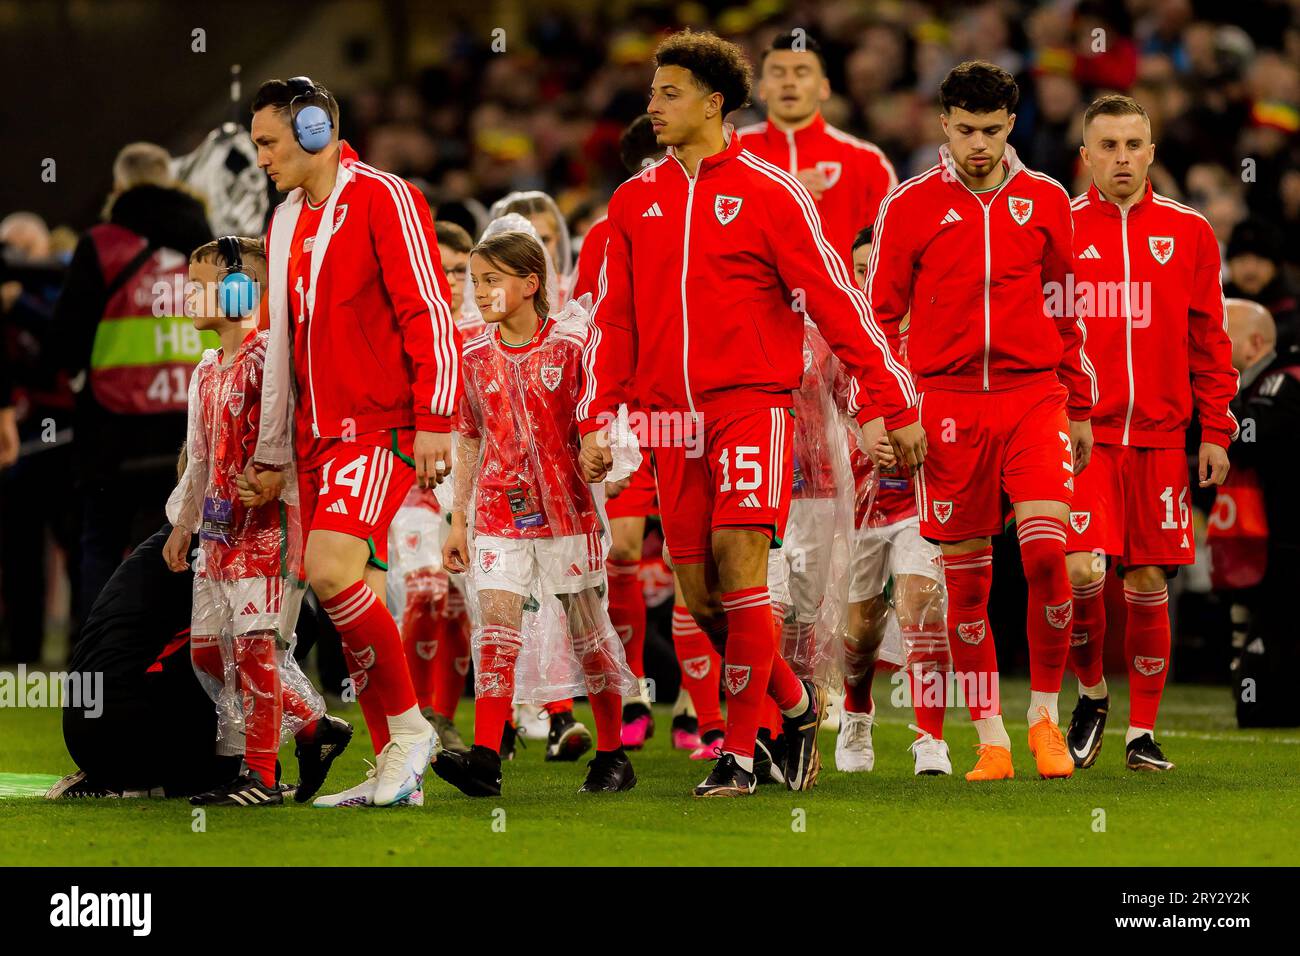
x: 741, y: 478
x: 639, y: 499
x: 984, y: 443
x: 1134, y: 504
x: 358, y: 488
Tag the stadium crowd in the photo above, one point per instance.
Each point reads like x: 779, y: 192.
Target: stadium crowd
x: 83, y: 482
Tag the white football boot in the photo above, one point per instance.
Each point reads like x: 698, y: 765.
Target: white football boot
x: 931, y: 755
x: 363, y: 795
x: 532, y: 722
x: 402, y: 764
x: 854, y: 752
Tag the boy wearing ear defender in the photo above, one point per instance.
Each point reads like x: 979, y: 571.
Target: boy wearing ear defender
x: 248, y: 580
x: 357, y: 296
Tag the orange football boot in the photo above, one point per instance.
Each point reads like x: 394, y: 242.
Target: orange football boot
x: 1047, y: 744
x: 994, y: 763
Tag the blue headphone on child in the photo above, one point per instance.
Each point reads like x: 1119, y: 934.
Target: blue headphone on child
x: 311, y: 121
x: 237, y: 289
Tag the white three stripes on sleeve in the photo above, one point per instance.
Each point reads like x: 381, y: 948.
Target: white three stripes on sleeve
x: 444, y: 391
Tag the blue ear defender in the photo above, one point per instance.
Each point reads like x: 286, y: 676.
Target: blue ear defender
x: 237, y: 290
x: 312, y: 123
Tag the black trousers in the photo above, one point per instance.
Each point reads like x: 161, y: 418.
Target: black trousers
x: 156, y: 730
x: 118, y: 513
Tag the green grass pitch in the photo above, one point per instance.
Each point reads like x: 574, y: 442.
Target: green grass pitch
x: 1233, y: 800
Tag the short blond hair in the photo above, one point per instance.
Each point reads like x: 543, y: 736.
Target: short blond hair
x: 142, y: 164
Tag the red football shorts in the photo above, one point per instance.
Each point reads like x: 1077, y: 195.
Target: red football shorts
x: 737, y: 474
x: 1134, y: 504
x: 984, y: 443
x: 357, y: 487
x: 638, y: 499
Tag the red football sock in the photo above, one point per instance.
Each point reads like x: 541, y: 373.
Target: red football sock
x: 450, y: 665
x: 421, y: 627
x: 559, y: 707
x: 701, y: 669
x: 368, y: 629
x: 1051, y: 608
x: 857, y: 695
x: 1088, y: 634
x: 494, y: 683
x: 970, y: 638
x: 1146, y: 645
x: 751, y: 648
x: 491, y: 714
x: 783, y: 685
x: 607, y: 706
x: 627, y: 611
x: 928, y: 664
x: 372, y: 708
x: 259, y: 681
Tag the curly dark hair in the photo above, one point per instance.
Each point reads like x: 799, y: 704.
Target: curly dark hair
x: 979, y: 87
x: 717, y: 65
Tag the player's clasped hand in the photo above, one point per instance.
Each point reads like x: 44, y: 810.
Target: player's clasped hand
x: 909, y: 445
x: 1081, y: 444
x: 175, y: 551
x: 432, y: 453
x: 257, y: 485
x: 595, y: 457
x: 1212, y: 465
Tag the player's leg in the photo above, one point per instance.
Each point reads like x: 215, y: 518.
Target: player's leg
x: 1158, y: 536
x: 361, y: 490
x: 1040, y: 526
x: 958, y: 499
x: 701, y: 668
x: 968, y: 578
x: 1038, y: 477
x: 628, y: 613
x: 1147, y: 643
x: 1095, y: 530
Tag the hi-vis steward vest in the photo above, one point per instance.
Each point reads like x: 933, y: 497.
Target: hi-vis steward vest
x: 141, y: 362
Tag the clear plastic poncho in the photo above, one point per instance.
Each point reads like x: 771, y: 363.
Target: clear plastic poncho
x: 529, y: 204
x: 811, y: 580
x: 517, y: 479
x: 248, y: 581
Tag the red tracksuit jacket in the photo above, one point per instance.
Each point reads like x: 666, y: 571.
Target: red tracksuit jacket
x: 703, y: 290
x: 974, y: 275
x: 1162, y: 346
x: 858, y: 174
x: 381, y: 347
x: 587, y: 269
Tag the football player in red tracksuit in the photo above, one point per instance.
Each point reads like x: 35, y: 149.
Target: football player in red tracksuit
x: 969, y: 247
x: 847, y: 176
x: 1147, y: 279
x: 357, y: 295
x: 713, y: 259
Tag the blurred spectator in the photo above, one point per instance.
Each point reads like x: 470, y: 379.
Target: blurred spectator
x: 37, y: 493
x: 1255, y: 272
x: 1264, y: 463
x: 130, y: 355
